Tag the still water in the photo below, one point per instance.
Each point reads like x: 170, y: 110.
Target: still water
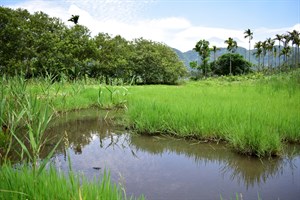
x: 168, y: 168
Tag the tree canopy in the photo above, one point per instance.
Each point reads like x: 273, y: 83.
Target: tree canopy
x: 239, y: 65
x: 38, y: 45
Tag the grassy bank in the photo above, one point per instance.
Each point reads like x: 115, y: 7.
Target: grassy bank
x: 253, y: 115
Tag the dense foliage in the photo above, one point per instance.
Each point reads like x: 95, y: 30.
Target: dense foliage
x: 238, y: 65
x: 38, y: 46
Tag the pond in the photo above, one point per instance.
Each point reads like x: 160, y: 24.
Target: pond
x: 168, y: 168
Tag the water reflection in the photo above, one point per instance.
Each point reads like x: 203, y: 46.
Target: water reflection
x: 168, y: 168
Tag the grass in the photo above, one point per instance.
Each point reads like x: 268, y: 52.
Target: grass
x: 26, y: 108
x: 253, y: 116
x: 21, y: 183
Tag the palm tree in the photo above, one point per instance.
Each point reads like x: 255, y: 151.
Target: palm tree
x: 275, y: 55
x: 232, y: 45
x: 74, y: 19
x: 258, y: 47
x: 279, y: 38
x: 286, y: 39
x: 249, y: 34
x: 215, y: 49
x: 264, y: 47
x: 286, y: 51
x: 270, y: 46
x: 294, y: 37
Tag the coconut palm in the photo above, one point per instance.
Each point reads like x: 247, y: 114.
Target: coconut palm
x: 249, y: 34
x: 258, y: 52
x: 279, y: 38
x: 231, y: 47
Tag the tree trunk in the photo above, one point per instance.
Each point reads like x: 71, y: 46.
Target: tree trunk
x: 230, y: 65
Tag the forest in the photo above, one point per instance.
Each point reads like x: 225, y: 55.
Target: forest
x: 38, y: 46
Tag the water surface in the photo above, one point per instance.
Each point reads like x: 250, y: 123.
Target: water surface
x: 168, y: 168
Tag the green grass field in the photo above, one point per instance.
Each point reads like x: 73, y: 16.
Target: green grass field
x: 253, y: 116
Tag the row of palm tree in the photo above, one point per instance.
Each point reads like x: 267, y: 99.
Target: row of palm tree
x: 268, y: 48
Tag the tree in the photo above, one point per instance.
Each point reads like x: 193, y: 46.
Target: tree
x: 275, y: 55
x: 295, y: 38
x: 279, y: 38
x: 155, y: 63
x: 239, y: 64
x: 285, y: 51
x: 74, y: 19
x: 269, y: 47
x: 264, y: 46
x: 202, y: 47
x: 231, y: 47
x: 214, y: 49
x: 249, y: 34
x: 258, y: 52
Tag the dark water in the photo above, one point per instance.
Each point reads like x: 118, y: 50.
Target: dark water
x: 168, y: 168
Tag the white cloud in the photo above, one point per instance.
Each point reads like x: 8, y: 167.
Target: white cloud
x: 122, y: 17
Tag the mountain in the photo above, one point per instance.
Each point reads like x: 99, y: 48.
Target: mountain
x: 192, y: 55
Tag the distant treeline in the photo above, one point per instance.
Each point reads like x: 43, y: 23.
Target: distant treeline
x: 37, y: 45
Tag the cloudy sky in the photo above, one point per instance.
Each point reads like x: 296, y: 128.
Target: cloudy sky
x: 177, y: 23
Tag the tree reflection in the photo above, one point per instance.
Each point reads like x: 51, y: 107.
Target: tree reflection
x: 248, y: 171
x: 245, y: 170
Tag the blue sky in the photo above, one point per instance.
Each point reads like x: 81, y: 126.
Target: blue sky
x: 178, y: 23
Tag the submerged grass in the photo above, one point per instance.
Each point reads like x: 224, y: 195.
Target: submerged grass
x: 254, y: 117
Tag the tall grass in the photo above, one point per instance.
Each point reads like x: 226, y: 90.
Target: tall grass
x: 254, y: 117
x: 26, y: 112
x: 21, y: 183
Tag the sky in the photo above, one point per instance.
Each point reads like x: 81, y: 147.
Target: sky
x: 178, y: 23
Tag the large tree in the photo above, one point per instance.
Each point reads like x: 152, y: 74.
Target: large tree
x: 249, y: 35
x: 231, y: 47
x: 239, y: 64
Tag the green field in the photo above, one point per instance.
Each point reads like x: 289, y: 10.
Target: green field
x: 255, y: 117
